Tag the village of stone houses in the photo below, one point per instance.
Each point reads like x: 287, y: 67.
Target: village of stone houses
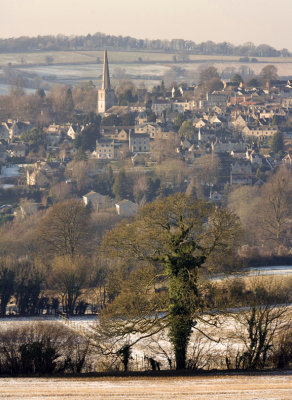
x: 128, y: 147
x: 147, y: 204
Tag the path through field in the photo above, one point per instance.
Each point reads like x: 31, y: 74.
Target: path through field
x: 268, y: 387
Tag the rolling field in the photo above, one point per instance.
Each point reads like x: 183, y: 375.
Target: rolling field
x: 75, y: 67
x: 148, y: 73
x: 267, y: 387
x: 84, y: 57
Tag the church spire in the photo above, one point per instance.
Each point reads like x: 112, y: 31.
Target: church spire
x: 105, y: 96
x: 106, y: 84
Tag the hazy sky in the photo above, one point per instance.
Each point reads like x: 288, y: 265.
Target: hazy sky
x: 236, y: 21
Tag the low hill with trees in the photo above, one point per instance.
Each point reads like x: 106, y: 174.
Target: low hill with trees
x: 101, y: 40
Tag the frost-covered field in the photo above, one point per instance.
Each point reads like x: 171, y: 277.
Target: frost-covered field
x: 156, y: 347
x: 73, y: 74
x: 203, y: 353
x: 270, y: 387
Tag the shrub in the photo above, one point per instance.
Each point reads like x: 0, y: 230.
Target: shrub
x: 42, y: 348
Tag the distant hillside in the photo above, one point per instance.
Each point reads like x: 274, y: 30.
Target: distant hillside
x: 101, y: 40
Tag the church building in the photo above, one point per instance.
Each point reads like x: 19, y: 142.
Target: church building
x: 105, y: 96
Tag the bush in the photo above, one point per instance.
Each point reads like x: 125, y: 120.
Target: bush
x: 42, y: 348
x: 282, y: 350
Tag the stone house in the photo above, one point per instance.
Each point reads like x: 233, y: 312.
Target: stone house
x: 36, y: 178
x: 216, y: 121
x: 214, y: 99
x: 126, y: 208
x: 253, y: 157
x: 119, y: 134
x: 54, y: 134
x: 39, y: 175
x: 199, y: 123
x: 182, y: 106
x: 151, y: 128
x: 238, y: 122
x: 287, y: 160
x: 137, y: 107
x: 97, y: 200
x: 227, y: 146
x: 259, y: 131
x: 17, y: 150
x: 241, y: 173
x: 105, y: 150
x: 139, y: 143
x: 141, y: 118
x: 159, y: 106
x: 74, y: 131
x: 16, y: 128
x: 4, y: 131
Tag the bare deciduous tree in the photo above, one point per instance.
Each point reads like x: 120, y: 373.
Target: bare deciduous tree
x: 275, y: 212
x: 69, y: 277
x: 64, y: 230
x: 257, y: 324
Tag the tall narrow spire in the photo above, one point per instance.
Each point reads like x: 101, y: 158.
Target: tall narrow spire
x: 106, y: 84
x: 105, y: 96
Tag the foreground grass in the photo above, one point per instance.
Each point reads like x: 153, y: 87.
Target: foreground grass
x: 219, y: 387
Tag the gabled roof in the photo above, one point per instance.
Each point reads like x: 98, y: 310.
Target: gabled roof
x: 89, y: 194
x: 122, y: 202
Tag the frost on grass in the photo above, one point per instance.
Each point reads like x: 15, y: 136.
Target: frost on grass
x: 216, y: 388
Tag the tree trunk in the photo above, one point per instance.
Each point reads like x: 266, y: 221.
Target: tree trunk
x: 180, y: 357
x: 183, y: 296
x: 180, y: 331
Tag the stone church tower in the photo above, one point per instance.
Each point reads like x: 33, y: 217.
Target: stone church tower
x: 105, y: 96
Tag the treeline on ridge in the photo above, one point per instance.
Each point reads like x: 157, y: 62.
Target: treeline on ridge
x: 100, y: 41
